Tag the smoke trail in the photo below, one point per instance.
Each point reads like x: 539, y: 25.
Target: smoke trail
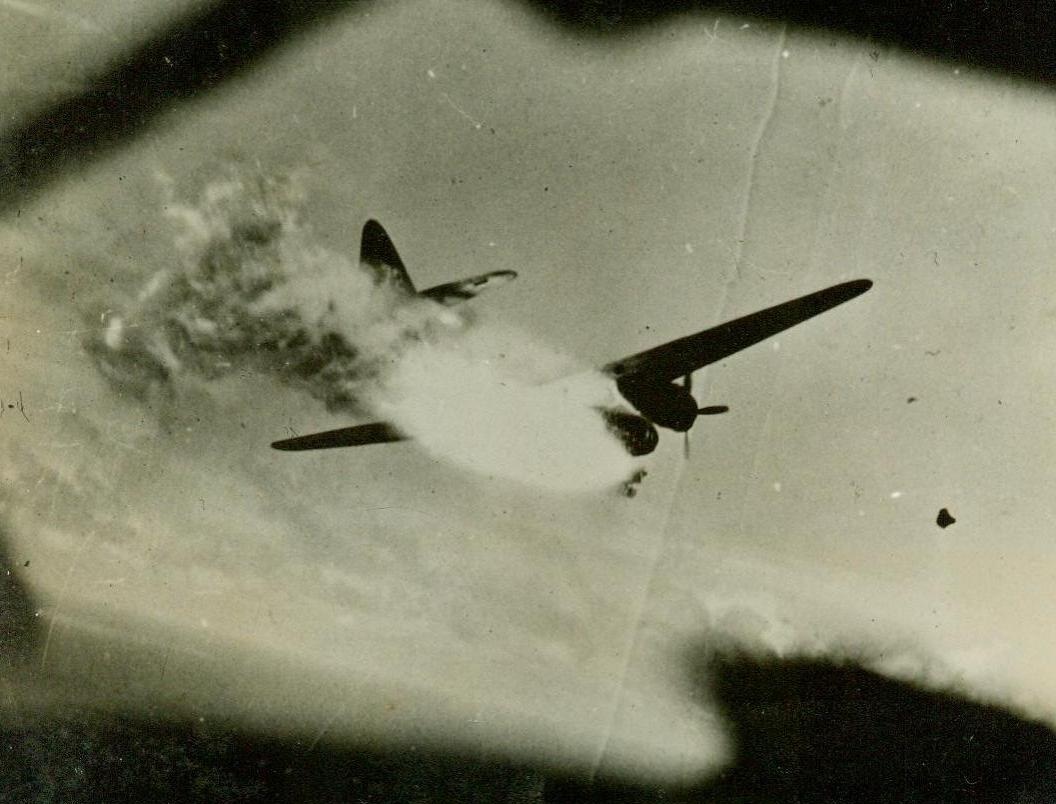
x: 252, y: 290
x: 473, y: 401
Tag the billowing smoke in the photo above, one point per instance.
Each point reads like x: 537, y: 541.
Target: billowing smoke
x: 477, y: 405
x: 251, y: 290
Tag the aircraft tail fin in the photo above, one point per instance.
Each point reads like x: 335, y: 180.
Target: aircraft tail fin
x: 378, y: 253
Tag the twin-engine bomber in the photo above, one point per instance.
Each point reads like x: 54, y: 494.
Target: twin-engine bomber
x: 655, y: 385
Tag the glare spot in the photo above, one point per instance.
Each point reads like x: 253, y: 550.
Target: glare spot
x: 777, y: 486
x: 895, y: 495
x: 430, y: 73
x: 784, y: 54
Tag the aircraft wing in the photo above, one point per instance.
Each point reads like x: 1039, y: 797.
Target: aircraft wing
x: 683, y: 356
x: 360, y: 435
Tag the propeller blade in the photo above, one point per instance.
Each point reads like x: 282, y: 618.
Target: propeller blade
x: 687, y: 385
x: 712, y: 410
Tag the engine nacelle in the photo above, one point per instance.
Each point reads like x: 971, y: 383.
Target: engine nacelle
x: 637, y: 434
x: 665, y: 404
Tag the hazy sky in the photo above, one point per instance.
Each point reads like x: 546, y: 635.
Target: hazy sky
x: 644, y: 188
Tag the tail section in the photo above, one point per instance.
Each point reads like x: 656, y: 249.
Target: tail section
x: 377, y: 251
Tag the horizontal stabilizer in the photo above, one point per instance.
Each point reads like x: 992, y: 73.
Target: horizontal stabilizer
x: 453, y: 293
x: 360, y: 435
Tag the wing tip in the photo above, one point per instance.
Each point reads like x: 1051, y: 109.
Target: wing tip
x: 858, y: 286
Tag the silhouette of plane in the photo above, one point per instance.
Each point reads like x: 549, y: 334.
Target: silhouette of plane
x: 378, y: 253
x: 647, y: 381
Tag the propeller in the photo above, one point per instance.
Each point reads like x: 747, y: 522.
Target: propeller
x: 687, y: 383
x: 712, y: 410
x: 709, y: 410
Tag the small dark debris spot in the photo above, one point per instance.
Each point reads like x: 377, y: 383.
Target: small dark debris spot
x: 911, y: 400
x: 26, y: 564
x: 944, y: 519
x: 932, y: 352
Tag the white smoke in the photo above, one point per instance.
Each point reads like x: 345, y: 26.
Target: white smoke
x: 253, y: 290
x: 468, y: 402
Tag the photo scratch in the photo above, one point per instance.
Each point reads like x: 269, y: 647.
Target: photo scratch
x: 476, y: 123
x: 770, y: 105
x: 61, y: 598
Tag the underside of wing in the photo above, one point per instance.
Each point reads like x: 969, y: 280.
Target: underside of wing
x: 681, y: 357
x: 358, y: 436
x: 377, y: 252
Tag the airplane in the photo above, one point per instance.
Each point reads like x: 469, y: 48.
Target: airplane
x: 656, y: 384
x: 378, y: 253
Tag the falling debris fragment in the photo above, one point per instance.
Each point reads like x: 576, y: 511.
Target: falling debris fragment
x: 944, y: 519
